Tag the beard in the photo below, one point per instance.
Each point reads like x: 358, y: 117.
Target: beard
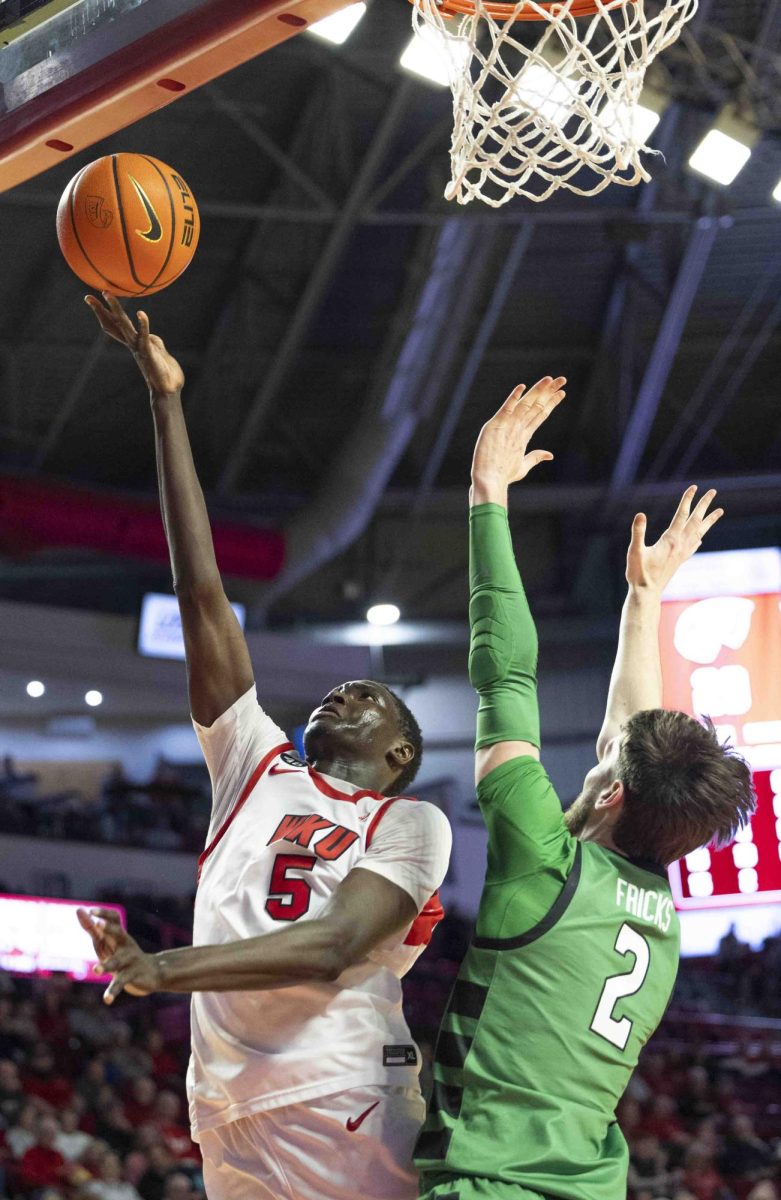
x: 577, y: 816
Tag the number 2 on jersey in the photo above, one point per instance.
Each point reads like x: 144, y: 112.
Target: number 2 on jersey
x: 629, y: 941
x: 288, y: 897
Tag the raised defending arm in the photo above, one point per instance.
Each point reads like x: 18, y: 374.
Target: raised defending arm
x: 503, y: 649
x: 219, y: 669
x: 636, y: 681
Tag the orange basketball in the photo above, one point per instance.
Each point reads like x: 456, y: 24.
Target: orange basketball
x: 128, y: 224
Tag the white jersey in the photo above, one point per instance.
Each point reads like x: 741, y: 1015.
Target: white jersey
x: 282, y: 838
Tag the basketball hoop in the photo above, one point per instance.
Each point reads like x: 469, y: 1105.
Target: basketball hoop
x: 509, y: 12
x: 532, y: 118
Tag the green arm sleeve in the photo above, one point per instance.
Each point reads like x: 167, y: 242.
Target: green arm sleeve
x: 503, y: 646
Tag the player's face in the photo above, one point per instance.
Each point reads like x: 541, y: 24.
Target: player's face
x: 597, y: 783
x: 359, y: 717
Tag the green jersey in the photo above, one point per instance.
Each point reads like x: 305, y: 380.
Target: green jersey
x: 570, y: 969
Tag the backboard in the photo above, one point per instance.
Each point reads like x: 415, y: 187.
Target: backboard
x: 74, y: 71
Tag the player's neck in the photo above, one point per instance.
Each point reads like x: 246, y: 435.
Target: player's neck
x: 600, y: 830
x: 359, y: 774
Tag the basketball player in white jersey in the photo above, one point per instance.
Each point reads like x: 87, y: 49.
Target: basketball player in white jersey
x: 317, y: 892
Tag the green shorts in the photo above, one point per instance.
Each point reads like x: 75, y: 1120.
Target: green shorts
x: 469, y: 1188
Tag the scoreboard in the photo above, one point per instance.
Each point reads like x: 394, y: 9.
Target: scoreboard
x: 40, y: 935
x: 720, y: 640
x: 746, y: 872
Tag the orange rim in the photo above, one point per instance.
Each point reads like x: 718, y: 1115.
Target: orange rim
x: 504, y: 11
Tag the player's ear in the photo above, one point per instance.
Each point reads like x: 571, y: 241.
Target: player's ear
x: 611, y: 796
x: 401, y: 754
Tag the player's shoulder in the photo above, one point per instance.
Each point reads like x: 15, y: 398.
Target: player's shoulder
x: 521, y: 772
x: 420, y: 815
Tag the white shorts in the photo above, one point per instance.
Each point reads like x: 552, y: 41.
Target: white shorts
x: 354, y: 1145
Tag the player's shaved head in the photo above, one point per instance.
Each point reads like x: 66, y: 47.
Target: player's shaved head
x: 362, y: 726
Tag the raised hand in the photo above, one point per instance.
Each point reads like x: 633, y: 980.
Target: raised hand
x: 160, y: 369
x: 119, y: 955
x: 501, y: 454
x: 652, y: 567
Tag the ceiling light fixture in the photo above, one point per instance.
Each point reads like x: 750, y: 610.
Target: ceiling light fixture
x: 383, y: 614
x: 35, y: 688
x: 623, y: 122
x: 726, y: 148
x: 338, y: 27
x: 93, y: 698
x: 433, y: 57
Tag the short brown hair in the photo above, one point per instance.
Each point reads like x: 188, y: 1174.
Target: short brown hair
x: 682, y: 787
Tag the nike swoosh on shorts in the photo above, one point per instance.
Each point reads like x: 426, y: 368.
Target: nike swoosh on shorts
x: 354, y: 1123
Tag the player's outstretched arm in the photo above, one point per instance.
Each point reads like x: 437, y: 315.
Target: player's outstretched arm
x: 219, y: 669
x: 363, y: 912
x: 503, y: 647
x: 636, y: 682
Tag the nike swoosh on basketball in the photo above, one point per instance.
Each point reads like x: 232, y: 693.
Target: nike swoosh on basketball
x: 275, y: 770
x: 155, y: 230
x: 354, y: 1123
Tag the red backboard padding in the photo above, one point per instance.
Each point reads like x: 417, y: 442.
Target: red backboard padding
x: 121, y: 88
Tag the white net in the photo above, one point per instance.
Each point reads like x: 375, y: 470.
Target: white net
x: 540, y: 104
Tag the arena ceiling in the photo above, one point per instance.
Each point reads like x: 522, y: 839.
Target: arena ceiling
x: 345, y: 332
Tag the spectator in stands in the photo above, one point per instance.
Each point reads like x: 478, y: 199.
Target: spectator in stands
x: 179, y: 1187
x: 12, y: 1097
x: 52, y: 1017
x: 147, y: 1136
x: 745, y: 1157
x: 42, y: 1165
x: 168, y: 1108
x: 92, y: 1158
x: 87, y: 1018
x: 112, y: 808
x: 696, y: 1101
x: 113, y: 1127
x: 649, y: 1170
x: 663, y: 1121
x: 42, y: 1079
x: 652, y: 1077
x: 22, y: 1024
x: 11, y: 779
x: 21, y: 1136
x: 770, y: 976
x: 730, y: 951
x: 91, y: 1081
x: 151, y: 1185
x: 125, y: 1060
x: 766, y: 1190
x: 71, y: 1141
x: 701, y: 1177
x: 164, y: 1064
x: 140, y: 1101
x: 630, y: 1116
x: 110, y: 1185
x: 11, y: 1043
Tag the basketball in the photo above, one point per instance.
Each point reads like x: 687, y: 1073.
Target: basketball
x: 128, y: 224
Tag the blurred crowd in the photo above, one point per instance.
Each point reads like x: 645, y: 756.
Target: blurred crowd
x: 91, y: 1099
x: 168, y: 811
x: 92, y: 1103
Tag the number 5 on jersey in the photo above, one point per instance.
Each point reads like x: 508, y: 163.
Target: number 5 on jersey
x: 289, y: 896
x: 629, y: 941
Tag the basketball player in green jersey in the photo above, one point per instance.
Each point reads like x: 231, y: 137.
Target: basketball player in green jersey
x: 576, y: 944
